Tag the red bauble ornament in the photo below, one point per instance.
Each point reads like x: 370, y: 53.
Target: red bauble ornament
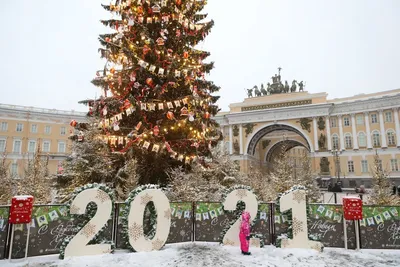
x: 178, y: 33
x: 149, y: 82
x: 170, y: 115
x: 185, y: 54
x: 156, y: 130
x: 108, y: 39
x: 112, y: 70
x: 178, y: 2
x: 73, y: 123
x: 207, y: 115
x: 127, y: 104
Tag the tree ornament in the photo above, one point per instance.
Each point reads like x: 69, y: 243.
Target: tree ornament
x: 149, y: 82
x: 170, y: 115
x: 132, y: 77
x: 156, y: 130
x: 73, y: 123
x: 184, y: 111
x: 104, y: 111
x: 160, y: 41
x: 191, y: 116
x: 131, y: 21
x: 80, y: 136
x: 178, y: 2
x: 185, y: 54
x: 207, y: 115
x: 108, y: 39
x: 178, y: 33
x: 156, y: 9
x: 146, y: 50
x: 116, y: 126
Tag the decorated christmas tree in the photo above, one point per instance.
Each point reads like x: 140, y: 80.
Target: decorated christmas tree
x: 281, y: 176
x: 306, y: 178
x: 156, y: 102
x: 5, y: 181
x: 381, y: 193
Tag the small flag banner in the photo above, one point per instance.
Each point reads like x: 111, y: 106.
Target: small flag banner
x: 329, y: 213
x: 377, y: 215
x: 208, y: 211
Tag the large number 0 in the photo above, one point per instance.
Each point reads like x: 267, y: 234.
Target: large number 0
x: 135, y: 220
x: 296, y: 200
x: 232, y: 235
x: 78, y: 245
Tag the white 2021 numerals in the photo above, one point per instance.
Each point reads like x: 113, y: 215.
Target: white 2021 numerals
x: 296, y: 200
x: 135, y: 220
x: 232, y: 235
x: 78, y: 244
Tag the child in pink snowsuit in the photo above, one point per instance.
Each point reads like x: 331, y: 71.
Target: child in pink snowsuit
x: 244, y: 234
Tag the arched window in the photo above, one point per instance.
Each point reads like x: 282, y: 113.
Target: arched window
x: 390, y: 138
x: 376, y: 139
x: 335, y: 141
x: 348, y: 140
x: 362, y: 139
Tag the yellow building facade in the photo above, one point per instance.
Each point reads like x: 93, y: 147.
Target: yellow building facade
x: 23, y: 130
x: 341, y: 135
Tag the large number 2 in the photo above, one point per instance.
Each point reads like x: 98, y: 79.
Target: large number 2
x: 232, y: 235
x: 78, y: 245
x: 296, y: 200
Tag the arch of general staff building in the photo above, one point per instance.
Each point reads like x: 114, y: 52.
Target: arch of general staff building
x: 341, y: 135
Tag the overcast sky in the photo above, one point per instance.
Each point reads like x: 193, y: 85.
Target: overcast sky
x: 347, y: 47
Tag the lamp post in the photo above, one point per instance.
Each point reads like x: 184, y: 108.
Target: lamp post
x: 336, y: 154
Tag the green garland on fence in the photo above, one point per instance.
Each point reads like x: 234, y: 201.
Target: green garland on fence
x: 288, y: 213
x: 150, y: 214
x: 84, y: 218
x: 240, y: 207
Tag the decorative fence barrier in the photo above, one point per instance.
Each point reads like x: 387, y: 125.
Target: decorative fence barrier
x: 201, y: 221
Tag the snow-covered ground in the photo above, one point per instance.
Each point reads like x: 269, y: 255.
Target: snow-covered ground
x: 212, y: 254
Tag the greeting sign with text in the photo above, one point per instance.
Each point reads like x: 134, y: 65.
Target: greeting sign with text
x: 21, y: 209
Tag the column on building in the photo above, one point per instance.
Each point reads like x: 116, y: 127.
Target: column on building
x: 368, y: 130
x: 315, y: 130
x: 382, y: 126
x: 397, y: 125
x: 328, y: 133
x: 241, y: 139
x: 354, y: 131
x: 341, y: 136
x: 230, y: 140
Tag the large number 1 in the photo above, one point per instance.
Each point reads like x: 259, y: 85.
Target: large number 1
x: 296, y: 200
x: 78, y: 245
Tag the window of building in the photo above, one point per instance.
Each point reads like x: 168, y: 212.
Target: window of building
x: 63, y: 130
x: 17, y: 146
x: 20, y: 127
x: 46, y: 146
x: 31, y: 146
x: 47, y: 129
x: 376, y: 138
x: 61, y: 147
x: 34, y: 128
x: 335, y: 142
x: 333, y: 122
x: 390, y: 138
x: 346, y: 121
x: 362, y: 139
x: 360, y: 119
x: 364, y: 166
x: 14, y: 169
x: 2, y: 145
x: 4, y: 126
x: 350, y: 166
x: 394, y: 165
x: 388, y: 116
x: 348, y: 141
x: 374, y: 118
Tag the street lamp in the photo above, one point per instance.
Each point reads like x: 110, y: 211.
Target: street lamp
x: 336, y: 154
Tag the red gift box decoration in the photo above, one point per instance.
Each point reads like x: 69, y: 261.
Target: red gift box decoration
x: 21, y: 209
x: 352, y: 208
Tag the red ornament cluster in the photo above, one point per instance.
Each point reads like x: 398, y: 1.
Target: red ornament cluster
x: 21, y: 209
x: 352, y: 208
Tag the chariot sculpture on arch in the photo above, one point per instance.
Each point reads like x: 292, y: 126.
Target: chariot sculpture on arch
x: 276, y: 87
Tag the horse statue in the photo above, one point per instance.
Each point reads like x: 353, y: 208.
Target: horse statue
x: 249, y: 92
x: 301, y: 86
x: 256, y: 91
x: 263, y: 91
x: 294, y: 86
x: 269, y: 89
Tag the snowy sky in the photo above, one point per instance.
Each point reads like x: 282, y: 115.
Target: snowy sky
x: 49, y: 48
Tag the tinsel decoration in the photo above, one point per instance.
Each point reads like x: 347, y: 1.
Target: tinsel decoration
x: 83, y: 219
x: 236, y: 214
